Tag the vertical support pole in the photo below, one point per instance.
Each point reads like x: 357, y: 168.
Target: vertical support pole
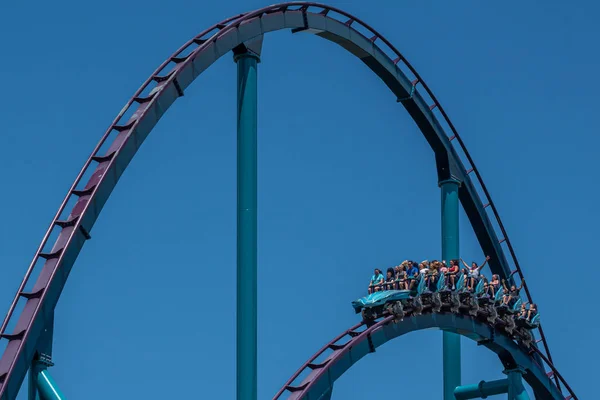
x: 450, y: 251
x: 247, y: 59
x: 516, y: 389
x: 32, y: 382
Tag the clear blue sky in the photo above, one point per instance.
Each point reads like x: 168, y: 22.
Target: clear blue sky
x: 347, y: 183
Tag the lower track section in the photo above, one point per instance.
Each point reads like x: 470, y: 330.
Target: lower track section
x: 360, y: 340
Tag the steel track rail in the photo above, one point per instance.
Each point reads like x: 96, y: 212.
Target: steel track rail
x: 165, y: 88
x: 322, y: 374
x: 310, y: 363
x: 556, y: 373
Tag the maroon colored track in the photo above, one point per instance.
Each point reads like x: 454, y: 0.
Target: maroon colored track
x: 348, y: 348
x: 74, y: 229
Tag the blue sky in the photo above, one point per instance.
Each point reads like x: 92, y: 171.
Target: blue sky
x: 347, y: 183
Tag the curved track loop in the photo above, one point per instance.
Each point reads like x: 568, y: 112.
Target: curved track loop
x: 355, y: 343
x: 155, y: 96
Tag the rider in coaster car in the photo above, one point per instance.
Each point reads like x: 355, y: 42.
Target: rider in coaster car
x: 452, y: 272
x: 443, y: 267
x: 400, y: 272
x: 376, y: 281
x: 488, y: 288
x: 424, y: 270
x: 424, y: 267
x: 389, y: 279
x: 523, y: 311
x: 495, y: 282
x: 474, y: 271
x: 512, y: 294
x: 412, y: 273
x: 433, y: 275
x: 532, y: 312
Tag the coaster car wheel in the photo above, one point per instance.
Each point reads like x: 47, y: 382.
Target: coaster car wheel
x: 526, y: 337
x: 368, y: 315
x: 397, y: 310
x: 502, y: 309
x: 492, y: 314
x: 436, y: 302
x: 473, y: 306
x: 454, y: 302
x: 417, y: 306
x: 509, y: 323
x: 446, y: 297
x: 465, y: 298
x: 426, y: 298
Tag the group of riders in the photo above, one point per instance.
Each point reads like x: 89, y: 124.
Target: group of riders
x: 406, y: 276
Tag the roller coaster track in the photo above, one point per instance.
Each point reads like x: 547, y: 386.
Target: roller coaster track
x: 141, y: 113
x: 335, y: 358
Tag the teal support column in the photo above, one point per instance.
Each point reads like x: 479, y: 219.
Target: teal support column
x: 47, y: 387
x: 482, y: 390
x: 450, y: 251
x: 32, y: 388
x: 247, y: 59
x: 516, y: 389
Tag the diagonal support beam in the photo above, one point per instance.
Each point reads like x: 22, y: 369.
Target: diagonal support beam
x: 47, y: 387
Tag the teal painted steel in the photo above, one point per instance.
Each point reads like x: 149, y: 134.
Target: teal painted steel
x: 450, y: 203
x: 318, y: 381
x: 231, y: 32
x: 479, y: 287
x: 32, y: 389
x: 481, y: 390
x: 516, y: 389
x: 42, y: 359
x: 452, y: 367
x: 380, y: 298
x: 246, y: 226
x: 47, y: 387
x: 450, y: 251
x: 327, y: 395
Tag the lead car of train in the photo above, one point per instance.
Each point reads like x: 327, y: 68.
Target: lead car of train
x: 401, y: 303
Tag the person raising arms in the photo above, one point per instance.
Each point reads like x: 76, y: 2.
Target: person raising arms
x: 474, y: 272
x: 513, y: 293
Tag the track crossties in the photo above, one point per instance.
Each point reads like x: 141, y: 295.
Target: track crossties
x: 170, y: 80
x: 360, y: 340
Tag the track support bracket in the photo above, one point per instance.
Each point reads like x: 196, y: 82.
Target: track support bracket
x: 85, y: 232
x: 516, y: 390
